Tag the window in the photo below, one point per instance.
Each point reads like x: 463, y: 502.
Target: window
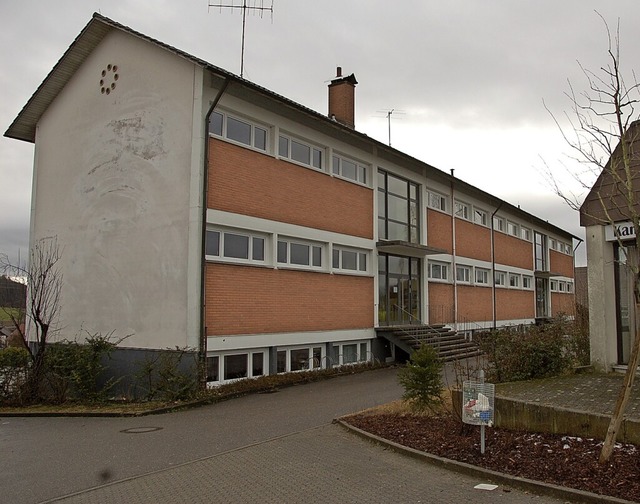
x: 349, y: 353
x: 462, y: 210
x: 398, y: 208
x: 479, y: 217
x: 525, y: 233
x: 437, y: 201
x: 567, y: 248
x: 296, y: 253
x: 554, y: 285
x: 349, y: 169
x: 300, y: 152
x: 527, y: 282
x: 298, y: 359
x: 438, y: 271
x: 512, y: 229
x: 349, y: 260
x: 514, y: 280
x: 213, y: 369
x: 540, y: 251
x: 500, y: 278
x: 569, y: 287
x: 498, y: 224
x: 463, y: 273
x: 562, y: 287
x: 482, y: 276
x: 235, y: 246
x: 237, y: 130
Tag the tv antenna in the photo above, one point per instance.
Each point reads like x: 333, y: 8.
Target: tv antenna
x: 388, y: 113
x: 255, y: 6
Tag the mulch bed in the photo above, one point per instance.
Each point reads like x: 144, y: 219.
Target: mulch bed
x: 550, y: 458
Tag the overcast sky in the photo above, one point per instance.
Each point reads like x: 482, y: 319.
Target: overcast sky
x: 467, y: 78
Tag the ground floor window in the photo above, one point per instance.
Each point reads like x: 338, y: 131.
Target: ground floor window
x: 235, y: 365
x: 299, y: 358
x: 350, y: 353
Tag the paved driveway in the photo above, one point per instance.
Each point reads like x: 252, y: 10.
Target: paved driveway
x: 278, y: 447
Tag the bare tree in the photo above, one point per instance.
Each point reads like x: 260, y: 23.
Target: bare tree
x: 44, y: 285
x: 602, y: 137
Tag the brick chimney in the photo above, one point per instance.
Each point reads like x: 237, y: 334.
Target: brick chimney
x: 342, y: 99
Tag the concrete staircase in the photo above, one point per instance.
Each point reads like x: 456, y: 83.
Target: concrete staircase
x: 448, y: 343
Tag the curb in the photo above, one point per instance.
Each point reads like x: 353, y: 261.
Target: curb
x: 537, y: 487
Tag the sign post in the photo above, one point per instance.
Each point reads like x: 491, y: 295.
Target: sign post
x: 478, y: 405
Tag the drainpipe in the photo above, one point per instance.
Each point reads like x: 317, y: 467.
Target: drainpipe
x: 202, y: 350
x: 493, y: 267
x: 453, y: 252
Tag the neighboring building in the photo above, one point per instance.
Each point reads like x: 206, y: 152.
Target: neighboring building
x: 197, y: 209
x: 611, y: 248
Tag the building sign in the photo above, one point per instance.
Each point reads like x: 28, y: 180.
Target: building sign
x: 619, y: 231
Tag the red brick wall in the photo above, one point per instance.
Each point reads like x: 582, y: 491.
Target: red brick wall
x: 562, y: 304
x: 561, y: 263
x: 474, y: 303
x: 440, y: 303
x: 249, y: 300
x: 473, y: 241
x: 439, y: 230
x: 513, y: 251
x: 515, y: 304
x: 247, y: 182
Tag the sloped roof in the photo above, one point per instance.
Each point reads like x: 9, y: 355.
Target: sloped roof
x: 24, y: 125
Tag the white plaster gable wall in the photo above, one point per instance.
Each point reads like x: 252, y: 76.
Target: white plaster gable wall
x: 112, y: 183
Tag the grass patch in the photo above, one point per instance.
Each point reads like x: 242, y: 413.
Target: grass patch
x: 401, y: 407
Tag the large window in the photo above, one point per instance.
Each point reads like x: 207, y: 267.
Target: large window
x: 541, y: 251
x: 236, y: 246
x: 349, y: 259
x: 234, y: 366
x: 349, y: 169
x: 300, y: 152
x: 398, y: 208
x: 296, y: 253
x: 238, y: 130
x: 437, y: 201
x: 299, y: 359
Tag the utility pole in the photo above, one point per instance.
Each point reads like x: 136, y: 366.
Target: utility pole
x: 256, y: 6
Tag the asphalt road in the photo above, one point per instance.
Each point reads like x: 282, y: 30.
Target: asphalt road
x: 278, y: 447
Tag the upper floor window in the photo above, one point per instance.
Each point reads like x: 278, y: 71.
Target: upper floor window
x: 482, y: 276
x: 438, y: 270
x: 513, y: 229
x: 462, y: 210
x: 235, y: 246
x: 540, y: 251
x: 297, y: 253
x: 500, y: 278
x: 514, y: 280
x: 241, y: 131
x: 349, y: 169
x: 479, y: 216
x: 525, y: 233
x: 300, y: 152
x: 350, y: 260
x: 463, y: 273
x: 437, y: 201
x: 398, y: 215
x: 498, y: 224
x: 553, y: 244
x: 527, y: 282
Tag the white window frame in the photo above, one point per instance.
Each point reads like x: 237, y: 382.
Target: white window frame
x: 441, y: 267
x: 359, y: 346
x: 553, y: 244
x: 500, y: 278
x: 251, y: 255
x: 480, y: 217
x: 514, y: 280
x: 249, y: 356
x: 363, y: 171
x: 362, y: 255
x: 569, y: 287
x: 553, y: 285
x: 485, y: 276
x: 513, y: 229
x: 312, y: 148
x: 462, y: 210
x: 252, y: 124
x: 310, y: 358
x: 525, y: 233
x: 306, y: 243
x: 463, y: 271
x: 437, y: 201
x: 527, y: 282
x: 562, y: 287
x: 498, y: 223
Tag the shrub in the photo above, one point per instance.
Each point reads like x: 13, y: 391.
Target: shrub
x: 14, y: 366
x: 422, y: 379
x: 167, y: 376
x: 535, y: 352
x: 74, y: 370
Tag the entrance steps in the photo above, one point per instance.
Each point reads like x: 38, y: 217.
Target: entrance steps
x: 448, y: 343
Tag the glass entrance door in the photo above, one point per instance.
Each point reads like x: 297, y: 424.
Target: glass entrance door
x: 398, y: 290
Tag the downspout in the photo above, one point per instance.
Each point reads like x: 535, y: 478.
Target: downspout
x: 454, y: 274
x: 202, y: 351
x: 493, y: 267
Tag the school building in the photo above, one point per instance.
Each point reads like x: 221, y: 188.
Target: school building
x: 197, y: 209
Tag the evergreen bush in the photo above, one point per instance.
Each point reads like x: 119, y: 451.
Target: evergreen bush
x: 422, y: 379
